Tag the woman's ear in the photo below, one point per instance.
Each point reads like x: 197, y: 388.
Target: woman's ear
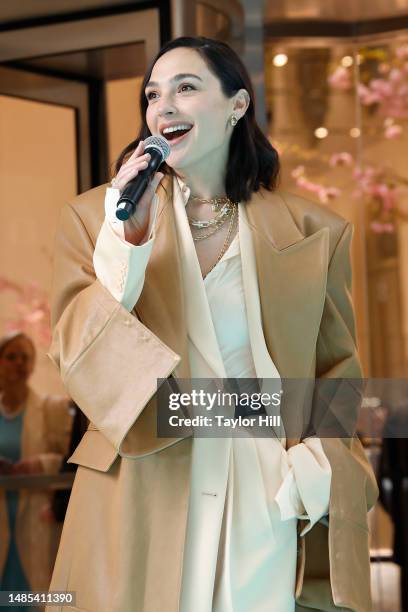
x: 241, y: 103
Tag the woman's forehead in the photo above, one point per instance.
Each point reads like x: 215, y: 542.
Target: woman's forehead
x: 176, y: 61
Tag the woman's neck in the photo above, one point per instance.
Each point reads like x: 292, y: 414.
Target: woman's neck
x: 205, y: 189
x: 14, y: 397
x: 206, y: 181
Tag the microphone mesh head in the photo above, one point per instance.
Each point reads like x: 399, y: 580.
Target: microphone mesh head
x: 160, y: 144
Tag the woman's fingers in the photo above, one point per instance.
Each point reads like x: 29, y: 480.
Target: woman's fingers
x: 134, y: 163
x: 136, y: 226
x: 137, y: 151
x: 133, y: 169
x: 130, y: 170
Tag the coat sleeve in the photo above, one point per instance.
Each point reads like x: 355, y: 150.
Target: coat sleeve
x: 339, y: 392
x: 108, y: 360
x: 119, y: 265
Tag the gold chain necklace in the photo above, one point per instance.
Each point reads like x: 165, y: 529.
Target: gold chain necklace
x: 212, y: 230
x: 226, y: 242
x: 208, y: 227
x: 216, y: 203
x: 218, y: 219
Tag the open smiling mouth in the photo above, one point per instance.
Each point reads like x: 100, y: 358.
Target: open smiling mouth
x: 176, y: 135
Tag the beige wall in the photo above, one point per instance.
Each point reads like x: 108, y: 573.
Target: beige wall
x: 37, y: 173
x: 123, y: 117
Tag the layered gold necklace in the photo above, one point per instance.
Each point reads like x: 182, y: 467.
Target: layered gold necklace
x: 226, y: 210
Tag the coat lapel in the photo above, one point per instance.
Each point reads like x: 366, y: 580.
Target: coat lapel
x: 292, y: 275
x: 200, y: 327
x: 161, y: 304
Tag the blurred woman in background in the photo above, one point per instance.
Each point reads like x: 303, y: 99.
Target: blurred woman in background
x: 34, y: 437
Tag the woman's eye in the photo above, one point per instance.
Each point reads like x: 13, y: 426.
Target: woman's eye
x: 186, y: 85
x: 151, y: 94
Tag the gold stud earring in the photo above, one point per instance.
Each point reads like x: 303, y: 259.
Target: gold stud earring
x: 233, y: 120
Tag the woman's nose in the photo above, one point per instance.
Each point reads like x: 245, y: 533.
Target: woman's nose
x: 166, y: 107
x: 166, y: 112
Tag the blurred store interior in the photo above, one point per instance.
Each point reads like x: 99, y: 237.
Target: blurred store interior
x: 331, y: 80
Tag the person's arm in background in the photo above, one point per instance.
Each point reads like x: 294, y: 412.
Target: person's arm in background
x: 57, y: 419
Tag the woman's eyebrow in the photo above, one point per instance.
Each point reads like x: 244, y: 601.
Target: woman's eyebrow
x: 177, y: 77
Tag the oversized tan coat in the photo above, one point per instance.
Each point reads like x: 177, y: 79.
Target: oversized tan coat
x: 122, y: 545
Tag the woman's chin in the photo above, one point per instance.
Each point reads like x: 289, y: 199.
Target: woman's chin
x: 176, y: 162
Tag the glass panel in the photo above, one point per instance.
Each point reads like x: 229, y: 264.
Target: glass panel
x: 38, y: 173
x: 122, y: 114
x: 315, y: 128
x: 342, y: 143
x: 382, y: 183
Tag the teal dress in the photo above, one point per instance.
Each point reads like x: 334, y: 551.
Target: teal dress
x: 13, y: 577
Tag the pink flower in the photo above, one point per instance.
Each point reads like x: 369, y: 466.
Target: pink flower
x: 35, y: 316
x: 382, y: 228
x: 328, y: 193
x: 393, y: 131
x: 395, y: 75
x: 357, y: 172
x: 402, y: 92
x: 386, y: 194
x: 304, y: 183
x: 402, y: 52
x: 383, y: 68
x: 381, y: 86
x: 31, y: 310
x: 367, y: 97
x: 341, y: 159
x: 366, y: 176
x: 340, y: 79
x: 298, y: 171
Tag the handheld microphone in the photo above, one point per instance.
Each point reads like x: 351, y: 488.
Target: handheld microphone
x: 159, y: 150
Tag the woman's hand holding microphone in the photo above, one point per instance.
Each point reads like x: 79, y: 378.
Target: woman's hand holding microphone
x: 136, y: 226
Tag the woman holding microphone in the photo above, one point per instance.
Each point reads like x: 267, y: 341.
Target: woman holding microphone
x: 217, y: 274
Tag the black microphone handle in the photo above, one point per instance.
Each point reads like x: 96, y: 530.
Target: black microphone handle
x: 137, y: 186
x: 131, y: 195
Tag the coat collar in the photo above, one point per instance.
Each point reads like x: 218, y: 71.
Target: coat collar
x: 272, y: 221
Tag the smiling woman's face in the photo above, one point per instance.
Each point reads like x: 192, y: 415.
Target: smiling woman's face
x: 183, y: 91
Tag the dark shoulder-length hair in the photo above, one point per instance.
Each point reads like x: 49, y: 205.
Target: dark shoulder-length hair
x: 10, y: 336
x: 253, y: 162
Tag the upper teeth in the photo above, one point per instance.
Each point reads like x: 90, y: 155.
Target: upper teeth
x: 174, y: 128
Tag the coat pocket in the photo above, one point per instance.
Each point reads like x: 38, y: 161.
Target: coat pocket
x: 94, y: 451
